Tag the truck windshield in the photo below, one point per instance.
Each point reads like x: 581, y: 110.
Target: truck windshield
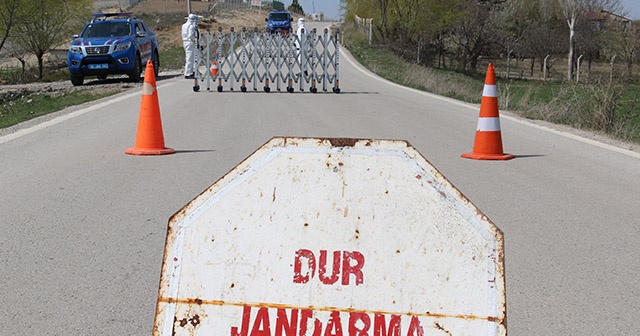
x: 106, y: 29
x: 279, y: 16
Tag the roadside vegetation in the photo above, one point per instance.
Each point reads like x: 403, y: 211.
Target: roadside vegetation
x: 24, y: 105
x: 573, y: 62
x: 611, y: 108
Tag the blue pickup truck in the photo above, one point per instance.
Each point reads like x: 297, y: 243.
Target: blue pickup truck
x: 116, y: 43
x: 279, y: 22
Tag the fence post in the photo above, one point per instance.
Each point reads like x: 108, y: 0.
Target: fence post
x: 545, y: 67
x: 613, y: 60
x: 578, y: 68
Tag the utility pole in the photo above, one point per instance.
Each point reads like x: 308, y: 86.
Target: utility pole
x: 188, y: 7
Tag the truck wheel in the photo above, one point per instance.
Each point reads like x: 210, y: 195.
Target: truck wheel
x: 156, y: 63
x: 134, y: 75
x: 77, y: 80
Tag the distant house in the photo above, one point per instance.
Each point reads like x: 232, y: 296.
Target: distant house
x: 318, y: 16
x: 608, y: 21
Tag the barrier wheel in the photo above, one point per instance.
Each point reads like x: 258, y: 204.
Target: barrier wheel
x: 314, y: 90
x: 196, y: 88
x: 336, y: 90
x: 219, y: 88
x: 290, y: 89
x: 267, y: 89
x: 243, y: 88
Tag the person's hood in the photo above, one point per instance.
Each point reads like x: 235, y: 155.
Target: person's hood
x: 193, y: 18
x: 300, y: 22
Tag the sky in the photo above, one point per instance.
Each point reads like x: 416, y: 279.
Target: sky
x: 331, y: 8
x: 633, y: 7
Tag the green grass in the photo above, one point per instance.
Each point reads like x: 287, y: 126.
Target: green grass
x: 26, y: 106
x: 171, y: 57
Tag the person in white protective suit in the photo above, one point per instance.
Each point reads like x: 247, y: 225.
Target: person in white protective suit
x: 301, y: 55
x: 189, y: 42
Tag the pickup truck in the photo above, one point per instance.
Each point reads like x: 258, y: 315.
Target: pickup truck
x: 116, y: 43
x: 279, y: 22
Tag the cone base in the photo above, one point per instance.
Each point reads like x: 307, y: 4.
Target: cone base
x: 149, y: 151
x: 478, y: 156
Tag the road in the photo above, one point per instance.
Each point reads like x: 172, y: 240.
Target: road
x: 83, y: 225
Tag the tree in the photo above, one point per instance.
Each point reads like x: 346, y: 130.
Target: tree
x: 572, y: 10
x: 44, y: 25
x: 471, y: 33
x: 295, y: 7
x: 9, y: 10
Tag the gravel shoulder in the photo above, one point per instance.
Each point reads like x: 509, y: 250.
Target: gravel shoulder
x: 91, y: 86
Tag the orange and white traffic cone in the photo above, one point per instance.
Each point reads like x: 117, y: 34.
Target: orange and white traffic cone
x: 149, y: 138
x: 488, y: 142
x: 214, y: 68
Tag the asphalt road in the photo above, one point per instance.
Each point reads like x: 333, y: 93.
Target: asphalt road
x: 83, y: 225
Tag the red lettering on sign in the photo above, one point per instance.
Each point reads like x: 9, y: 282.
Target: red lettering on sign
x: 304, y: 267
x: 380, y: 327
x: 334, y: 326
x: 304, y: 323
x: 261, y: 325
x: 355, y: 269
x: 359, y: 329
x: 297, y: 266
x: 415, y: 328
x: 359, y: 324
x: 286, y: 325
x: 335, y: 272
x: 246, y: 316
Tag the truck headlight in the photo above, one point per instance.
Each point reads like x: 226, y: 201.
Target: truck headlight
x: 75, y: 49
x: 123, y: 46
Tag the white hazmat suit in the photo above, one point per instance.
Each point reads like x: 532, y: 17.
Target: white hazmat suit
x: 189, y: 42
x: 302, y: 42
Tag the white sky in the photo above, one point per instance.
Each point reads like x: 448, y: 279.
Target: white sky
x: 331, y: 8
x: 633, y: 7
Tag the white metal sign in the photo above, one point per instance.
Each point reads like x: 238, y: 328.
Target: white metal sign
x: 332, y: 237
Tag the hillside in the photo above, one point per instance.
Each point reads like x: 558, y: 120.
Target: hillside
x: 170, y: 15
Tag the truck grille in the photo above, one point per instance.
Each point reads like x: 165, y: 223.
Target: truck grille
x: 97, y: 50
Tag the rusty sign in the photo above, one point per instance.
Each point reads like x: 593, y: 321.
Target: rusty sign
x: 332, y: 237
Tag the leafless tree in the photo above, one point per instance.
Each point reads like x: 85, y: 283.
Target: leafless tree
x: 9, y: 10
x: 47, y: 24
x: 573, y: 10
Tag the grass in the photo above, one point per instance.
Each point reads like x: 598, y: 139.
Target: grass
x: 24, y: 106
x: 171, y: 57
x: 601, y: 106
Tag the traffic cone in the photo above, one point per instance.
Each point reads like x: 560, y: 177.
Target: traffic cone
x: 214, y: 68
x: 488, y: 142
x: 149, y: 138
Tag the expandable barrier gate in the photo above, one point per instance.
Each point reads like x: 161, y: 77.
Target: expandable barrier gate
x: 244, y: 58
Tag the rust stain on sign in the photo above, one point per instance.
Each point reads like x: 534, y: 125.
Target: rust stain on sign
x: 188, y: 301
